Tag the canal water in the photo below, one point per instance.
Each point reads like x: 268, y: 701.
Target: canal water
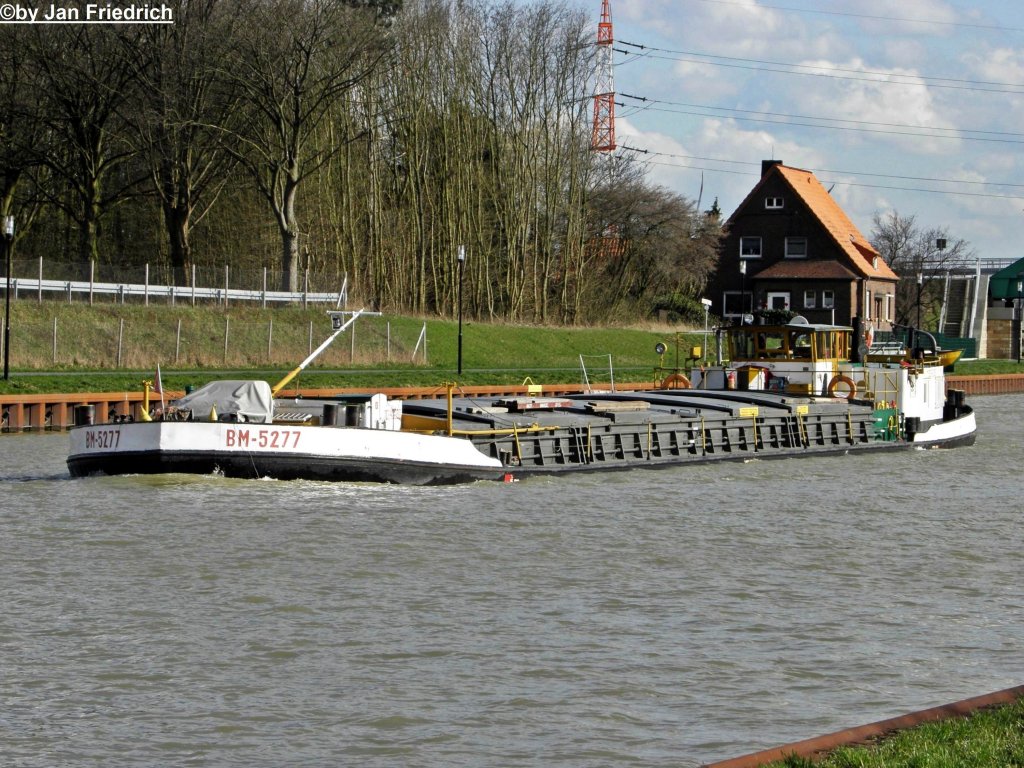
x: 642, y: 618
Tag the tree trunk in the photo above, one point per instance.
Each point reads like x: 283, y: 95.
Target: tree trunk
x: 289, y: 234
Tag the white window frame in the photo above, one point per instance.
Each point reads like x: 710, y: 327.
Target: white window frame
x: 741, y: 299
x: 810, y: 299
x: 828, y: 299
x: 774, y: 203
x: 784, y: 295
x: 793, y: 241
x: 867, y: 304
x: 760, y: 247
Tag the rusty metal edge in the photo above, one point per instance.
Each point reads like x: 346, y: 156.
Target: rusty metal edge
x: 809, y: 748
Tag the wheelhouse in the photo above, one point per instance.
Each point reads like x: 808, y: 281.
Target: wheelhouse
x: 805, y: 342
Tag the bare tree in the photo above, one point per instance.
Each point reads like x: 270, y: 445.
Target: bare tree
x: 294, y: 61
x: 20, y: 126
x: 184, y: 100
x: 85, y: 82
x: 665, y: 247
x: 915, y: 254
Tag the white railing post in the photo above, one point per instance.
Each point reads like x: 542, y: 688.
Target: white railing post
x: 305, y: 288
x: 92, y: 278
x: 226, y: 283
x: 40, y: 300
x: 193, y: 285
x: 120, y: 341
x: 264, y: 295
x: 145, y: 293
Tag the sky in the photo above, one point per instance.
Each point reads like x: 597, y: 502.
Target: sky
x: 915, y: 107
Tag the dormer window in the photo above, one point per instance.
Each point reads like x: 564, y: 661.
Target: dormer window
x: 773, y: 203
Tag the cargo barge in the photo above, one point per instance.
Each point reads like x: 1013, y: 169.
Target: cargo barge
x: 780, y: 391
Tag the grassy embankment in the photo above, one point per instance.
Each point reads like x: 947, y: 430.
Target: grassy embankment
x: 110, y: 347
x: 991, y: 738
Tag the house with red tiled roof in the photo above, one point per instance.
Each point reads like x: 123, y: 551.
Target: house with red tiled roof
x: 790, y: 246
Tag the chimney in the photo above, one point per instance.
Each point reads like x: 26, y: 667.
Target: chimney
x: 766, y: 165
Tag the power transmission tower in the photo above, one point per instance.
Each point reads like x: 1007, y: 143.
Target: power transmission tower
x: 603, y: 137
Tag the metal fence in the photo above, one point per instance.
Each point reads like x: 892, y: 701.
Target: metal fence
x: 89, y: 281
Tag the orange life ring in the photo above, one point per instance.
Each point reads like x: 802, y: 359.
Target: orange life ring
x: 675, y: 381
x: 840, y: 379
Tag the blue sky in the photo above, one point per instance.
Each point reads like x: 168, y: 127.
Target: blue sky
x: 897, y: 99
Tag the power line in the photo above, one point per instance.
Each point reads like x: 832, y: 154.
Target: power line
x: 836, y: 181
x: 958, y: 131
x: 872, y: 17
x: 760, y: 65
x: 798, y: 124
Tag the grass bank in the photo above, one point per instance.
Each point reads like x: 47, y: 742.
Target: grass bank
x: 61, y: 347
x: 991, y: 738
x: 58, y: 347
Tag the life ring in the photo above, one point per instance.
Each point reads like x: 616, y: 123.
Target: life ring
x: 675, y: 381
x: 840, y: 379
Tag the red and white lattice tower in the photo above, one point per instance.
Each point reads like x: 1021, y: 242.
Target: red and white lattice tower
x: 603, y: 137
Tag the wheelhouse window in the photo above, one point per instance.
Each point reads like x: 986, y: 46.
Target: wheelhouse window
x: 750, y: 247
x: 828, y: 299
x: 810, y: 299
x: 773, y: 203
x: 796, y: 247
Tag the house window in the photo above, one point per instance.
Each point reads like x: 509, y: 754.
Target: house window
x: 867, y: 304
x: 796, y: 247
x: 750, y: 247
x: 736, y: 303
x: 810, y: 298
x: 779, y: 300
x: 828, y: 300
x: 773, y: 203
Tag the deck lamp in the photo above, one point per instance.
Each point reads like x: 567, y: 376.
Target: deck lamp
x: 8, y: 241
x: 462, y: 265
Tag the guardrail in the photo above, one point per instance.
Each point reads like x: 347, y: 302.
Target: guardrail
x: 125, y: 289
x: 173, y: 293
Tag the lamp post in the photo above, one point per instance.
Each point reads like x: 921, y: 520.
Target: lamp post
x: 743, y: 292
x: 920, y: 284
x: 8, y: 240
x: 707, y: 308
x: 462, y: 265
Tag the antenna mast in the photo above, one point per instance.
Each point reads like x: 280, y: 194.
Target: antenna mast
x: 603, y: 137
